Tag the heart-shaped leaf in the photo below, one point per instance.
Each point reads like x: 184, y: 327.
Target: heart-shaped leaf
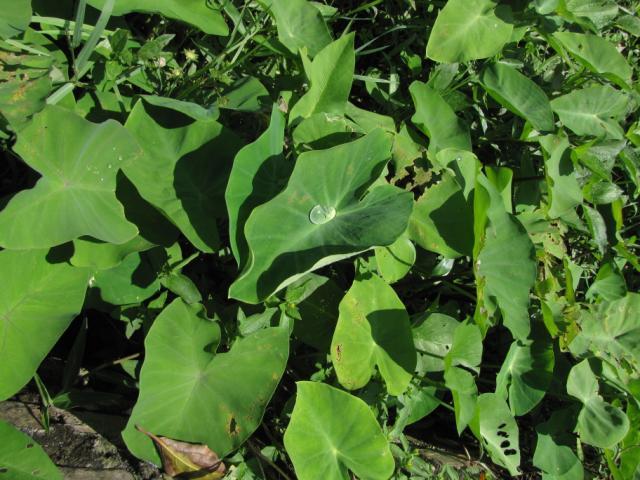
x: 322, y: 217
x: 183, y: 169
x: 593, y: 111
x: 373, y: 330
x: 324, y: 445
x: 37, y: 305
x: 599, y: 423
x: 76, y: 194
x: 23, y: 459
x: 469, y: 30
x: 190, y: 393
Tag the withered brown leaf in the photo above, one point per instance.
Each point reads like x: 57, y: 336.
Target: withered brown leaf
x: 184, y: 460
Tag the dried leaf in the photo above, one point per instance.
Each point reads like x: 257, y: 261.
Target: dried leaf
x: 187, y: 460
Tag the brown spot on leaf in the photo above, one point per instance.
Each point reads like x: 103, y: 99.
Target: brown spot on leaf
x: 338, y: 352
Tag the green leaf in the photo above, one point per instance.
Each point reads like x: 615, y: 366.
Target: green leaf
x: 505, y: 263
x: 395, y: 261
x: 193, y: 110
x: 300, y: 25
x: 593, y: 111
x: 554, y: 454
x: 598, y: 55
x: 321, y: 216
x: 259, y: 172
x: 199, y: 13
x: 330, y: 75
x: 615, y: 328
x: 598, y: 12
x: 373, y: 330
x: 495, y: 426
x: 324, y: 445
x: 609, y: 284
x: 465, y: 394
x: 433, y: 339
x: 182, y: 169
x: 23, y: 459
x: 466, y: 348
x: 76, y: 194
x: 246, y: 94
x: 516, y: 92
x: 132, y: 281
x: 15, y: 17
x: 469, y: 30
x: 526, y: 372
x: 36, y: 307
x: 562, y: 180
x: 437, y: 120
x: 599, y: 423
x: 190, y: 393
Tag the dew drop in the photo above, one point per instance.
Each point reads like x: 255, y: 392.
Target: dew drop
x: 321, y: 214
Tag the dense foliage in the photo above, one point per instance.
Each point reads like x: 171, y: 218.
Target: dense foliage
x: 326, y: 240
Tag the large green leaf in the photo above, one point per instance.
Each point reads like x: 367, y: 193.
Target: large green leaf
x: 598, y: 55
x: 599, y: 423
x: 259, y: 172
x: 554, y: 454
x: 300, y: 25
x: 564, y: 191
x: 395, y: 261
x: 78, y: 161
x: 442, y: 218
x: 325, y: 445
x: 615, y: 328
x: 469, y: 30
x: 437, y: 120
x: 183, y: 169
x: 203, y: 14
x: 38, y: 301
x: 321, y: 217
x: 495, y: 426
x: 190, y: 393
x: 516, y: 92
x: 330, y: 75
x: 505, y: 263
x: 23, y: 459
x: 526, y: 372
x: 14, y: 17
x: 593, y: 111
x: 373, y: 330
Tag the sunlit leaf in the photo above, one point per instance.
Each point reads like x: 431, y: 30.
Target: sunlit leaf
x: 324, y: 445
x: 373, y: 330
x: 23, y: 459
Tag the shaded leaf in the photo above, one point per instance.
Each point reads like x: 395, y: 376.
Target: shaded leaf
x: 373, y: 330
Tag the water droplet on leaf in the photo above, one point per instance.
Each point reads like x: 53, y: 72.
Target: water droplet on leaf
x: 321, y: 214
